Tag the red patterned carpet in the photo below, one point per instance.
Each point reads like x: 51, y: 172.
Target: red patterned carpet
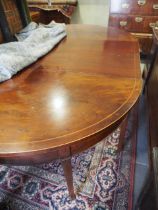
x: 103, y: 179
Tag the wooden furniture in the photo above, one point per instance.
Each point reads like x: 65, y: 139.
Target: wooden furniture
x: 70, y: 99
x: 35, y: 16
x: 149, y: 199
x: 14, y: 15
x: 136, y: 16
x: 151, y: 58
x: 153, y: 97
x: 46, y: 16
x: 61, y: 11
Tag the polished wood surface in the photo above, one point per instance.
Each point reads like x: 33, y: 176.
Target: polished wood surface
x: 71, y: 98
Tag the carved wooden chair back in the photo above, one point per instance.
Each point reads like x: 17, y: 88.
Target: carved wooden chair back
x: 14, y: 15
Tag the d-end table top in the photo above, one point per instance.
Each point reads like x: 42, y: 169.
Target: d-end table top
x: 83, y: 86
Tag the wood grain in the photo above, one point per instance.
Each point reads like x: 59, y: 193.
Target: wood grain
x: 72, y: 97
x: 132, y: 25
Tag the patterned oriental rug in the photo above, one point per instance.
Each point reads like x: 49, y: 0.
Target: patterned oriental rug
x: 103, y: 179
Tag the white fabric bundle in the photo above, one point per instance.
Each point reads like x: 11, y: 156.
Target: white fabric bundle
x: 34, y: 41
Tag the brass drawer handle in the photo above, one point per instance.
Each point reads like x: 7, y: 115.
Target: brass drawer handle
x: 152, y: 25
x: 141, y: 2
x: 138, y: 19
x: 125, y: 5
x: 123, y: 23
x: 155, y: 6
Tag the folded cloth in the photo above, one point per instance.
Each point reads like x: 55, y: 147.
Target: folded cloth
x: 56, y: 29
x: 24, y: 33
x: 34, y: 42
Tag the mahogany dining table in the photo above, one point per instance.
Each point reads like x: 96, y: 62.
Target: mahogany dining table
x: 70, y: 99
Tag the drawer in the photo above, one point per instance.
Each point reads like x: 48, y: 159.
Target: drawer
x: 131, y: 23
x: 141, y: 7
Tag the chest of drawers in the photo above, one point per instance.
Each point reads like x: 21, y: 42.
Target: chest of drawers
x: 137, y: 17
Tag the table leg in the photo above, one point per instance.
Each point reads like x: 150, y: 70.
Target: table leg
x: 122, y: 134
x: 66, y: 163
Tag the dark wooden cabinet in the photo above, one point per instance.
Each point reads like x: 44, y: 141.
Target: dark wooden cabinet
x: 45, y: 17
x: 135, y: 16
x: 149, y: 196
x: 60, y: 11
x: 152, y: 87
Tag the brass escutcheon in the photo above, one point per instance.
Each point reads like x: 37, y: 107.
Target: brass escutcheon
x: 155, y: 6
x: 123, y: 23
x: 141, y: 2
x: 152, y: 25
x: 138, y: 19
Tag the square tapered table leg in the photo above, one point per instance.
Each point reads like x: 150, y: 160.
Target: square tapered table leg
x: 66, y: 163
